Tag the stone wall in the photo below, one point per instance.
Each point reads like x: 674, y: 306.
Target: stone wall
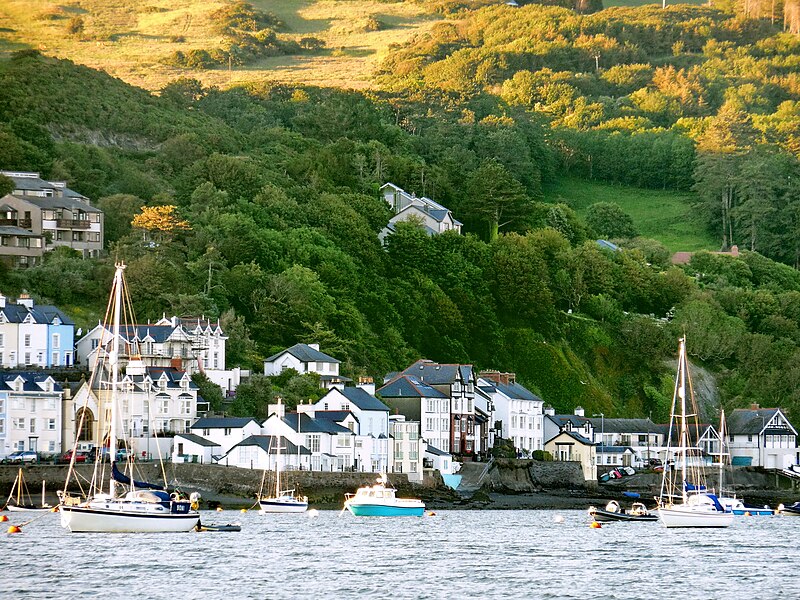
x: 526, y: 476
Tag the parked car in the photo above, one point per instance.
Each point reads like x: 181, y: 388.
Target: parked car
x: 81, y: 456
x: 22, y: 456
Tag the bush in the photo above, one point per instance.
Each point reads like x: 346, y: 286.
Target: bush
x: 542, y: 455
x: 75, y: 26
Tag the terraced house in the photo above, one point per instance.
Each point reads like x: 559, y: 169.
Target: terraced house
x: 39, y: 215
x: 36, y: 335
x: 30, y: 413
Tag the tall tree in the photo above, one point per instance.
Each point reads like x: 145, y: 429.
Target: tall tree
x: 495, y: 198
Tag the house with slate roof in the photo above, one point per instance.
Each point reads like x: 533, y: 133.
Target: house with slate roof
x: 226, y: 432
x: 407, y: 448
x: 38, y: 335
x: 30, y: 413
x: 371, y: 424
x: 417, y: 401
x: 457, y: 383
x: 306, y: 358
x: 518, y: 411
x: 573, y: 447
x: 762, y: 437
x: 432, y: 216
x: 192, y: 448
x: 52, y: 210
x: 266, y: 452
x: 331, y: 445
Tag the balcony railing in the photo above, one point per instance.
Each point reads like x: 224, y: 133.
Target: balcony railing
x: 24, y: 223
x: 73, y: 223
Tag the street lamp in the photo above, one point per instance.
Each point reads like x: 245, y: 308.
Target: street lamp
x: 602, y: 430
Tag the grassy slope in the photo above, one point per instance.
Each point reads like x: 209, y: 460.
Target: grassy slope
x: 661, y: 215
x: 128, y: 39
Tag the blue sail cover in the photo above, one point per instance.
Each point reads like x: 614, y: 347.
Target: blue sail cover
x: 717, y: 503
x: 120, y: 477
x: 693, y: 488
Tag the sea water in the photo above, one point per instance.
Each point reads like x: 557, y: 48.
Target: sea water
x: 452, y: 554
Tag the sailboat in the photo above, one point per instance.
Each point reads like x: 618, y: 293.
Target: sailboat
x: 21, y: 500
x: 144, y: 507
x: 731, y: 503
x: 281, y: 501
x: 684, y: 500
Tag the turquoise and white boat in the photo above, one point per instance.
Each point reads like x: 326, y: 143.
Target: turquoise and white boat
x: 379, y: 500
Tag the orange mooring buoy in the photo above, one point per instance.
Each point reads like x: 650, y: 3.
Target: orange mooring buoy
x: 3, y: 518
x: 595, y: 525
x: 747, y: 514
x: 14, y: 529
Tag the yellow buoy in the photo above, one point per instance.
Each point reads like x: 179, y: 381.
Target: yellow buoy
x: 595, y: 525
x: 3, y: 518
x: 431, y: 513
x: 219, y: 509
x: 244, y: 510
x: 14, y: 529
x: 54, y: 509
x: 747, y: 514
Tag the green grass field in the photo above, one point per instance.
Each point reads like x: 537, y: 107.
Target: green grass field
x: 665, y: 216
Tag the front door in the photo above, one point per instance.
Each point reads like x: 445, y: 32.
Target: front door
x: 33, y: 443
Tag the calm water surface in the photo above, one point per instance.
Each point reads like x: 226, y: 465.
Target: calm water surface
x: 455, y: 554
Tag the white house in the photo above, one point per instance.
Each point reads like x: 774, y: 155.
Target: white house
x: 263, y: 452
x: 433, y: 217
x: 407, y: 449
x: 306, y: 358
x: 518, y: 410
x: 226, y: 432
x: 30, y: 413
x: 762, y: 437
x: 420, y: 402
x: 192, y: 448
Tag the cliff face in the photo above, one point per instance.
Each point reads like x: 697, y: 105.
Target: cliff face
x: 511, y: 476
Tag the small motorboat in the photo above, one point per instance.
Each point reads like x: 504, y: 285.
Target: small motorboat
x: 793, y: 510
x: 737, y: 507
x: 614, y: 512
x: 379, y: 500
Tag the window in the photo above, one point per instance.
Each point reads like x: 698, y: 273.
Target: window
x: 312, y: 442
x: 750, y: 437
x: 51, y: 424
x: 95, y: 343
x: 27, y: 358
x: 56, y: 340
x: 163, y: 404
x: 27, y: 340
x: 398, y: 450
x: 343, y: 441
x: 2, y: 405
x: 2, y: 426
x: 186, y: 406
x: 413, y: 434
x: 206, y: 432
x: 54, y: 359
x: 413, y: 455
x: 2, y: 340
x: 227, y: 431
x: 51, y: 446
x: 398, y: 435
x: 39, y: 358
x: 33, y: 425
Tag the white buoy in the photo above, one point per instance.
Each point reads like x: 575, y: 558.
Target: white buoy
x: 313, y: 513
x: 558, y: 519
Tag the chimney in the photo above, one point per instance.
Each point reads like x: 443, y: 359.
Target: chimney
x: 314, y: 347
x: 366, y: 384
x: 176, y: 363
x: 549, y: 410
x: 25, y: 300
x: 578, y: 411
x: 278, y: 409
x: 734, y: 250
x: 498, y: 377
x: 755, y: 407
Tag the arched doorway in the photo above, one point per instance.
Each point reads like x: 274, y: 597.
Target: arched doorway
x: 86, y: 421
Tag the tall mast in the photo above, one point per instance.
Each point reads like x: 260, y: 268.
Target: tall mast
x: 722, y: 452
x: 278, y: 457
x: 684, y: 432
x: 113, y: 359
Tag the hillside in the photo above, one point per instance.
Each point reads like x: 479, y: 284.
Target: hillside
x: 132, y: 40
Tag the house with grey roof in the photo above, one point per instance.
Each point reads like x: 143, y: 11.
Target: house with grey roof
x: 370, y: 424
x: 266, y: 452
x: 571, y: 446
x: 457, y: 383
x: 306, y: 358
x: 517, y: 410
x: 431, y: 216
x: 30, y: 413
x: 50, y: 209
x: 226, y: 432
x: 193, y: 448
x: 761, y: 437
x: 38, y: 335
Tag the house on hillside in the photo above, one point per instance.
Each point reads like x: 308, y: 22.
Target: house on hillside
x: 306, y: 358
x: 51, y: 210
x: 432, y: 216
x: 684, y: 258
x: 518, y: 411
x: 30, y: 413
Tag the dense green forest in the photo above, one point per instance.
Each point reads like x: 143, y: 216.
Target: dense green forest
x: 278, y: 210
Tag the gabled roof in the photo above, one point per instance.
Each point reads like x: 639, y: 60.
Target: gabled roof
x: 409, y: 386
x: 41, y: 314
x: 314, y: 425
x: 304, y: 353
x: 18, y: 231
x: 31, y: 382
x: 751, y: 421
x: 269, y: 443
x: 222, y: 422
x: 574, y: 436
x: 337, y: 416
x: 362, y: 399
x: 574, y: 420
x: 624, y: 425
x: 196, y: 439
x: 439, y: 374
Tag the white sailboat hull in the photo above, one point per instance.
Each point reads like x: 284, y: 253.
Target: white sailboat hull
x: 126, y: 517
x: 693, y: 516
x: 282, y: 505
x: 15, y: 508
